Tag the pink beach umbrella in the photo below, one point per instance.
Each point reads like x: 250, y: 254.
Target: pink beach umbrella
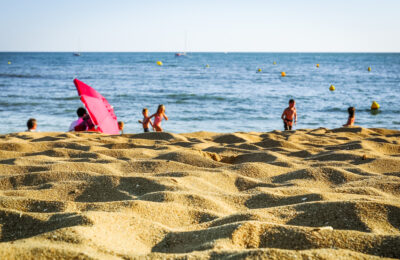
x: 100, y: 111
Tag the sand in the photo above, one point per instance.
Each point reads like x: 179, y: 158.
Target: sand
x: 320, y: 193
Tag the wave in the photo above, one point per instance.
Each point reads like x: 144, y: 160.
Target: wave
x: 19, y: 104
x: 66, y: 98
x: 12, y: 75
x: 343, y: 109
x: 144, y: 61
x: 334, y: 109
x: 192, y: 97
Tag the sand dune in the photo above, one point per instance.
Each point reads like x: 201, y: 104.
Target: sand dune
x: 316, y: 193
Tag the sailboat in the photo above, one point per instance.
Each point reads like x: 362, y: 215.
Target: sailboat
x: 182, y: 54
x: 77, y: 53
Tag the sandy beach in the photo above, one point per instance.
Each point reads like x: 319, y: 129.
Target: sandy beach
x: 317, y: 193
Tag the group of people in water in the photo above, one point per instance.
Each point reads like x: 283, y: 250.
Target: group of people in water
x: 84, y: 122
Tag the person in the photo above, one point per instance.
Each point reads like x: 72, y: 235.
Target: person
x: 158, y: 116
x: 289, y: 115
x: 83, y: 123
x: 352, y: 117
x: 146, y: 120
x: 121, y: 127
x: 32, y: 125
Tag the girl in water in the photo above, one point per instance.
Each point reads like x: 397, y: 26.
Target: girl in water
x: 158, y: 116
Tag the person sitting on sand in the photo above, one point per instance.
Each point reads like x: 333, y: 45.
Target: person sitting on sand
x: 83, y: 123
x: 146, y: 120
x: 158, y: 116
x: 289, y: 115
x: 352, y: 116
x: 121, y: 127
x: 32, y: 125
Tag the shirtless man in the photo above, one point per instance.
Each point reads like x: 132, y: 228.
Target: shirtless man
x: 289, y: 114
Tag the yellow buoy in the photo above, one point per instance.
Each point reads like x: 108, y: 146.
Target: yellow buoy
x: 283, y: 74
x: 159, y: 63
x: 207, y: 66
x: 259, y: 70
x: 332, y: 88
x: 274, y: 63
x: 317, y: 65
x: 9, y: 63
x: 369, y: 68
x: 375, y: 105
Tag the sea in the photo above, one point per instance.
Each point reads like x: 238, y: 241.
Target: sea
x: 218, y: 92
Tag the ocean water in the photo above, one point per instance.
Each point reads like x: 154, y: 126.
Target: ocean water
x: 228, y: 96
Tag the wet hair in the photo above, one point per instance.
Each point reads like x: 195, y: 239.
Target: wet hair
x: 351, y: 111
x: 144, y: 110
x: 120, y: 125
x: 291, y: 101
x: 160, y: 107
x: 31, y: 123
x: 81, y: 112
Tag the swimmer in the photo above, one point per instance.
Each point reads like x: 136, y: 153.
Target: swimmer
x: 352, y: 116
x: 32, y: 125
x: 289, y: 115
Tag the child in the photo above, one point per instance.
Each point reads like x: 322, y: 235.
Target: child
x: 146, y: 120
x: 31, y: 124
x: 121, y: 127
x: 352, y: 117
x: 289, y: 114
x: 158, y: 116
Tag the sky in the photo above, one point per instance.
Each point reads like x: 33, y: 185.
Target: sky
x: 205, y: 26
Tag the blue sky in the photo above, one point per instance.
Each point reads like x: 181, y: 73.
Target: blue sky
x: 252, y: 25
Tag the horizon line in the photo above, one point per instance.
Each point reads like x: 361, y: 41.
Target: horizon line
x: 2, y: 51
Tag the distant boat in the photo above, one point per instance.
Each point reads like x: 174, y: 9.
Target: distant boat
x: 183, y: 53
x: 76, y: 52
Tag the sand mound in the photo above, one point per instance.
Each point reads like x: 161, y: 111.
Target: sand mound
x: 160, y: 136
x: 316, y: 193
x: 236, y: 138
x: 200, y: 159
